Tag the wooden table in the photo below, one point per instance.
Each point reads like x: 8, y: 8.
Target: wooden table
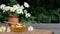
x: 36, y: 31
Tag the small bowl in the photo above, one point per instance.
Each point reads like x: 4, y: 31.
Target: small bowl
x: 18, y: 29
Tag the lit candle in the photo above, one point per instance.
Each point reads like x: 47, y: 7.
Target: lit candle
x: 30, y: 28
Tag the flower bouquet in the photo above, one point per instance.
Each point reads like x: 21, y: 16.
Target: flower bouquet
x: 15, y: 11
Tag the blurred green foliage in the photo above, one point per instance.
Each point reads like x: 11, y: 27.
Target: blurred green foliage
x: 42, y: 11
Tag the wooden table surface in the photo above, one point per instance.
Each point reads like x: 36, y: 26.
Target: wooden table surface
x: 35, y: 31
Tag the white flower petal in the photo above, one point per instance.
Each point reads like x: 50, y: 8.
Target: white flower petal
x: 15, y: 6
x: 12, y: 9
x: 26, y: 4
x: 25, y: 11
x: 8, y: 29
x: 27, y: 15
x: 21, y: 7
x: 3, y: 11
x: 7, y: 8
x: 19, y: 11
x: 3, y: 28
x: 30, y: 28
x: 2, y: 6
x: 18, y: 5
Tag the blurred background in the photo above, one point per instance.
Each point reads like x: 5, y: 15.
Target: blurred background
x: 42, y: 11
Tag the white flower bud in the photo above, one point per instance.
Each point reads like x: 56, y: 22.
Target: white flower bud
x: 3, y: 28
x: 30, y: 28
x: 8, y: 29
x: 26, y: 4
x: 27, y: 15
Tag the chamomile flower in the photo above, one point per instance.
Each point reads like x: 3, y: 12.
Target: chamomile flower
x: 12, y: 9
x: 8, y: 29
x: 18, y: 5
x: 15, y: 6
x: 19, y: 11
x: 25, y: 11
x: 30, y: 28
x: 26, y: 4
x: 6, y: 8
x: 3, y: 28
x: 21, y: 7
x: 27, y: 15
x: 2, y: 6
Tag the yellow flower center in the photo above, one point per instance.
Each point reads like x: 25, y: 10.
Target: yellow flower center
x: 6, y: 9
x: 14, y: 6
x: 19, y: 10
x: 12, y: 9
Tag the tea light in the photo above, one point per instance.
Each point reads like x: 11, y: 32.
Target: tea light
x: 8, y: 29
x: 30, y: 28
x: 3, y: 29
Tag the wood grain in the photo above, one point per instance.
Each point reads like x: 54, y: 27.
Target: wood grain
x: 35, y: 31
